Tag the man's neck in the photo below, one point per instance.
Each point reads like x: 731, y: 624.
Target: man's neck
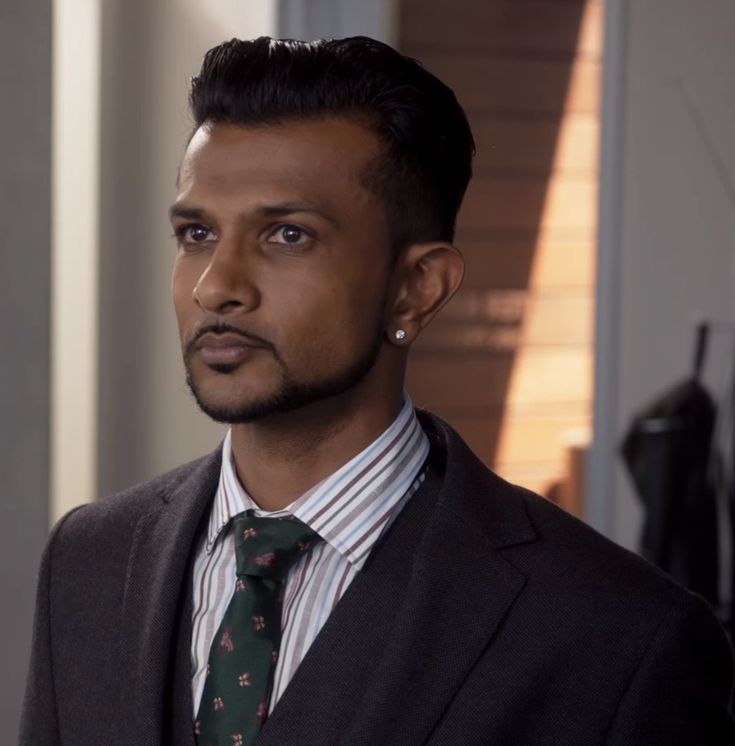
x: 279, y: 458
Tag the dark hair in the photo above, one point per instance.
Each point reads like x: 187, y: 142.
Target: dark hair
x: 421, y: 176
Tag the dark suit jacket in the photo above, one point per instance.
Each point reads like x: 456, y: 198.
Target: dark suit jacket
x: 484, y: 616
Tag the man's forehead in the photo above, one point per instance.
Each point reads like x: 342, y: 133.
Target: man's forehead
x: 319, y: 152
x: 293, y: 140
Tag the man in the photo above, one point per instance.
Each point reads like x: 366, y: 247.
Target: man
x: 344, y: 570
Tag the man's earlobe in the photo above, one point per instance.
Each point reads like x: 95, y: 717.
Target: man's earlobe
x: 430, y: 274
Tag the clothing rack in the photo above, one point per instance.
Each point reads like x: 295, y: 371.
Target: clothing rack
x: 704, y: 328
x: 722, y: 474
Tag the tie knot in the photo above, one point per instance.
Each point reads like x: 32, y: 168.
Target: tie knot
x: 267, y: 547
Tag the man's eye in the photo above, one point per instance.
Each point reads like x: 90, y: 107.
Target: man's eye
x: 195, y: 234
x: 289, y: 234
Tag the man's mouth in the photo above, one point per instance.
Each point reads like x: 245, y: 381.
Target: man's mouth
x: 225, y: 349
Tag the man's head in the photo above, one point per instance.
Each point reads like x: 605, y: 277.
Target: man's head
x: 424, y: 164
x: 317, y: 201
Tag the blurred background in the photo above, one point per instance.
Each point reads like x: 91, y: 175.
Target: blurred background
x: 599, y: 234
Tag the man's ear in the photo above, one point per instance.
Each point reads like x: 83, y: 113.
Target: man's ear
x: 427, y: 276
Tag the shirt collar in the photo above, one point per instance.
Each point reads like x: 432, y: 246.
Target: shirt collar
x: 351, y: 507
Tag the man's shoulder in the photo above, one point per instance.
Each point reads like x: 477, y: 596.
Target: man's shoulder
x: 570, y: 560
x: 606, y: 632
x: 124, y: 508
x: 571, y: 554
x: 581, y: 588
x: 561, y: 557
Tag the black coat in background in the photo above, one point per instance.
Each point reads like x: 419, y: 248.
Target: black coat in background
x: 668, y: 451
x: 485, y: 615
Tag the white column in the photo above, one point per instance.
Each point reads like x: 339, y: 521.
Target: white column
x: 74, y: 283
x: 600, y: 477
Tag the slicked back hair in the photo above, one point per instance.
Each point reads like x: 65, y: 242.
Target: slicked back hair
x: 426, y: 161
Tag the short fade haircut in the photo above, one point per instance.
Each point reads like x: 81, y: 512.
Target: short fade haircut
x: 421, y: 175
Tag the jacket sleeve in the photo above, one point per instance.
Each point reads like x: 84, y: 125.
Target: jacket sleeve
x: 39, y: 724
x: 681, y: 690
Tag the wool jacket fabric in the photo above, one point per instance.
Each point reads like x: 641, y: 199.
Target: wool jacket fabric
x: 485, y: 615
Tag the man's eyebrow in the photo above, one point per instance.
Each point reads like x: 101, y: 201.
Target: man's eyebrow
x: 182, y: 211
x: 287, y: 208
x: 278, y: 210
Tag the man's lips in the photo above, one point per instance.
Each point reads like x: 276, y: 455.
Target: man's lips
x: 225, y: 348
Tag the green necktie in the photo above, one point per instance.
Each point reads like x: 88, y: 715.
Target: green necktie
x: 245, y: 649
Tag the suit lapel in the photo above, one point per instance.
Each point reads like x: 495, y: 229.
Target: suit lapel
x: 157, y: 595
x: 410, y: 627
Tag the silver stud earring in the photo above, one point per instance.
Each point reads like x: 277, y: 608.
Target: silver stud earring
x: 399, y: 334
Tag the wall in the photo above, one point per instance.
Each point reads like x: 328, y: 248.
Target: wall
x: 668, y: 218
x: 25, y: 140
x: 315, y: 19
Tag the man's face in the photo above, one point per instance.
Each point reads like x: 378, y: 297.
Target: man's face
x: 282, y: 266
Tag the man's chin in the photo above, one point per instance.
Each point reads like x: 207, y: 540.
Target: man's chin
x: 236, y: 415
x: 238, y: 411
x: 235, y: 410
x: 239, y: 407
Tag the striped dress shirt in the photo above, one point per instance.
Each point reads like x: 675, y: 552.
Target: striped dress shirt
x: 349, y: 509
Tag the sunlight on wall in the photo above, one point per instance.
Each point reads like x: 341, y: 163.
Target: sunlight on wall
x: 548, y: 409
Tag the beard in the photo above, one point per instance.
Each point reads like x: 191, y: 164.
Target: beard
x: 291, y: 393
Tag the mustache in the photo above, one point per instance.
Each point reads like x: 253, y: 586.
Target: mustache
x: 192, y: 343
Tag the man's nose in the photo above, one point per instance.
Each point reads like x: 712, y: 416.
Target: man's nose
x: 228, y: 282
